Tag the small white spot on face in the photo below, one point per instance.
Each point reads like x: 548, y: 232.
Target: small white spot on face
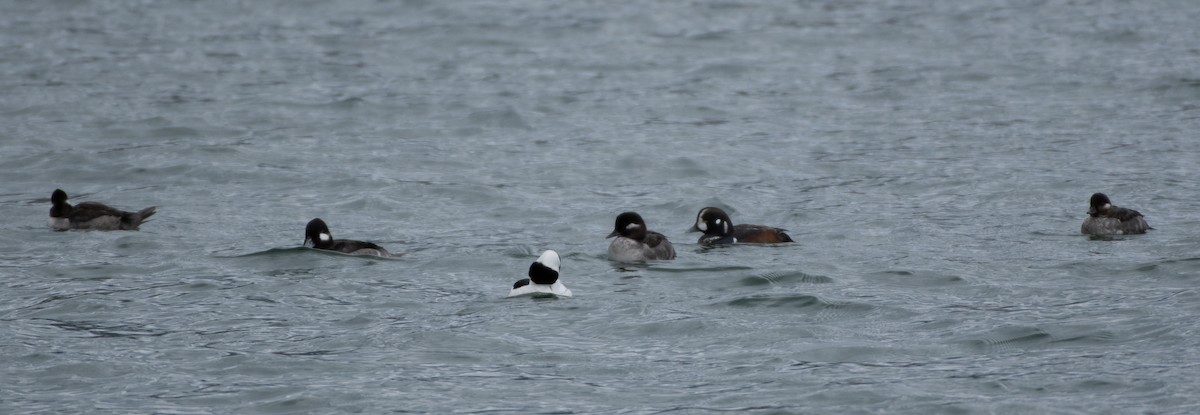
x: 324, y: 237
x: 701, y: 225
x: 718, y: 221
x: 632, y: 226
x: 1107, y: 205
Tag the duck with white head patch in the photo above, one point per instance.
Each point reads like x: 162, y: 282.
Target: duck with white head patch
x: 318, y: 233
x: 718, y: 230
x: 93, y: 215
x: 543, y: 278
x: 636, y: 243
x: 1106, y: 219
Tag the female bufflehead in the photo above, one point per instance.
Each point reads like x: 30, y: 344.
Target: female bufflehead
x: 636, y: 243
x: 718, y: 229
x: 318, y: 233
x: 543, y: 278
x: 1106, y: 219
x: 93, y: 215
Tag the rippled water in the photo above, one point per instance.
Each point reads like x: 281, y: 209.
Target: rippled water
x: 932, y: 160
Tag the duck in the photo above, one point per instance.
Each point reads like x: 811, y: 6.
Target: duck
x: 93, y: 215
x: 1104, y: 218
x: 636, y: 243
x: 719, y: 230
x: 543, y: 278
x: 318, y: 233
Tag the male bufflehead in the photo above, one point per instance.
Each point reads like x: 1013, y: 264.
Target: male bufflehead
x: 93, y: 215
x: 718, y: 229
x: 1106, y: 219
x: 636, y: 243
x: 318, y: 233
x: 543, y: 278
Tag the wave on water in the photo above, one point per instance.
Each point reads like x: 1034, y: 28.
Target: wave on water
x: 809, y: 304
x: 784, y: 278
x: 1018, y: 337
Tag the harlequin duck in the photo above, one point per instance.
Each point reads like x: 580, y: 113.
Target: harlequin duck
x: 1106, y: 219
x: 636, y: 243
x: 543, y: 278
x: 718, y: 229
x: 318, y: 233
x: 93, y: 215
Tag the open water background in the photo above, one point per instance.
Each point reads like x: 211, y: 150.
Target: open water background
x: 932, y: 159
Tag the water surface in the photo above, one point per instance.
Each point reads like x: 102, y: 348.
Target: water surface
x: 933, y: 161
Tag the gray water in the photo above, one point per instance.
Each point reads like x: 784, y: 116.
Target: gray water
x: 933, y: 160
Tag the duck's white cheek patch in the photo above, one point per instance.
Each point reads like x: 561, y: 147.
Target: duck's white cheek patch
x: 701, y: 225
x: 632, y: 226
x: 324, y: 237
